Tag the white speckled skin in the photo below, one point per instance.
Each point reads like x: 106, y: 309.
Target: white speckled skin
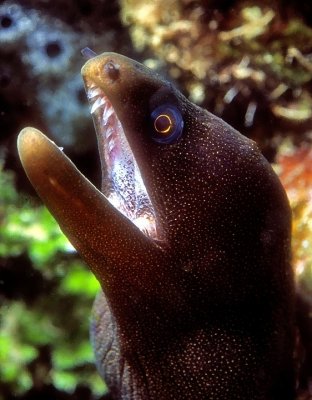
x: 208, y: 312
x: 225, y: 322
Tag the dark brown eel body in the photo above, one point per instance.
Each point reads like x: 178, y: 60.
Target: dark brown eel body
x: 201, y: 307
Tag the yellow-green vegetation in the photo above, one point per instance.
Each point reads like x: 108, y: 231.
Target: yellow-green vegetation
x: 46, y: 297
x: 196, y: 39
x: 295, y: 171
x: 249, y: 62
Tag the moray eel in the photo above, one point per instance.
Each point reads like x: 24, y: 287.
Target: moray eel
x: 189, y: 240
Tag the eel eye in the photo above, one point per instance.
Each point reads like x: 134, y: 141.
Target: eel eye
x: 167, y: 124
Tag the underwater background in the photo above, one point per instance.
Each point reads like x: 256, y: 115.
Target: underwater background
x: 249, y: 62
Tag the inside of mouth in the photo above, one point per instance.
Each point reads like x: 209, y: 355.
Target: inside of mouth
x: 122, y: 182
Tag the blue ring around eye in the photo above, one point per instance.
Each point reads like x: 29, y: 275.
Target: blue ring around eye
x: 177, y: 124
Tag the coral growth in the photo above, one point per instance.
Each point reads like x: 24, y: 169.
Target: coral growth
x: 15, y: 24
x: 41, y: 48
x: 295, y: 171
x: 248, y: 62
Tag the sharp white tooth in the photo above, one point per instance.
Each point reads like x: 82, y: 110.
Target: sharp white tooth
x: 98, y: 103
x: 94, y: 92
x: 108, y: 112
x: 109, y: 134
x: 105, y: 121
x: 111, y: 145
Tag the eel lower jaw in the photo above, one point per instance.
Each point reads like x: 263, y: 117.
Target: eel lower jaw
x: 122, y: 182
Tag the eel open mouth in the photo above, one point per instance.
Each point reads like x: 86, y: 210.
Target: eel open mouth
x: 122, y: 182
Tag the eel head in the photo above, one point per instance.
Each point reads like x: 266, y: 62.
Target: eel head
x: 189, y: 237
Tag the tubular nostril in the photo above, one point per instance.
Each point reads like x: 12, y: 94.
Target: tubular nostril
x: 112, y: 70
x: 88, y: 53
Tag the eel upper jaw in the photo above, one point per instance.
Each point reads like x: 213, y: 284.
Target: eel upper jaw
x: 122, y: 182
